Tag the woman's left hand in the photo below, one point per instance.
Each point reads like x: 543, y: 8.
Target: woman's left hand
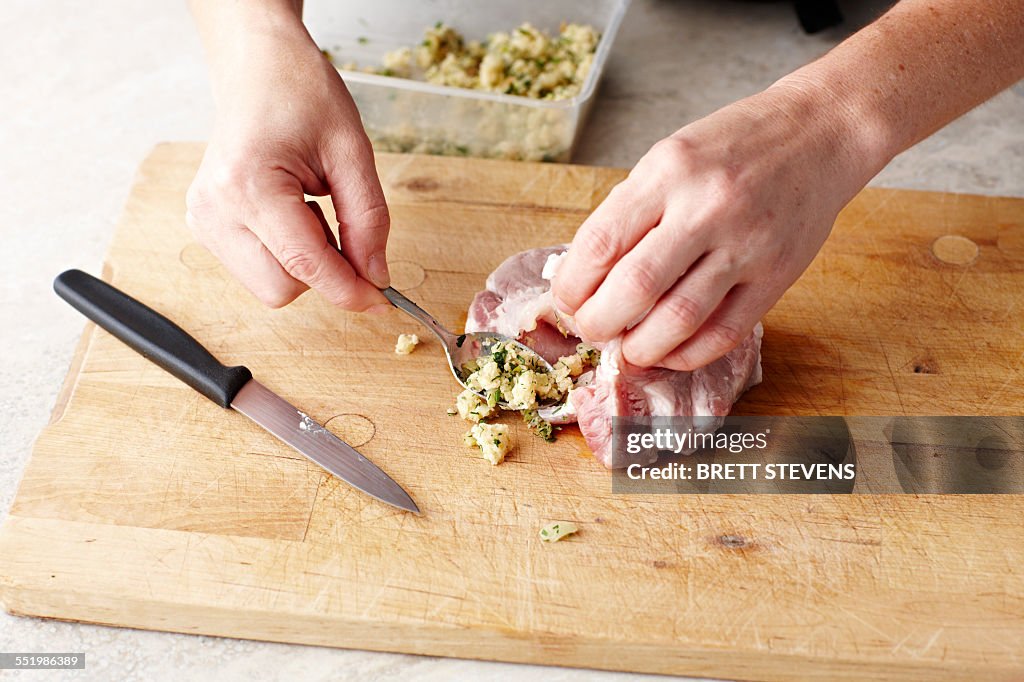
x: 711, y: 227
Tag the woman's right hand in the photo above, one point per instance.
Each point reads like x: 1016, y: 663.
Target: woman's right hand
x: 286, y: 125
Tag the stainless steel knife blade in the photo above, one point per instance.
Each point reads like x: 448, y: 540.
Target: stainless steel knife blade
x: 313, y: 440
x: 158, y: 339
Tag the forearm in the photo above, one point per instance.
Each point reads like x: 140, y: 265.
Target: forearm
x: 238, y: 34
x: 920, y: 66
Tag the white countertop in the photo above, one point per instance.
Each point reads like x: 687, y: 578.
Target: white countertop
x: 87, y: 92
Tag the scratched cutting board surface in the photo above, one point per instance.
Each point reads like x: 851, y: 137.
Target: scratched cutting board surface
x: 145, y: 505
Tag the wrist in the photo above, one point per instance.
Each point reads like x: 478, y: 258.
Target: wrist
x: 851, y: 128
x: 847, y: 109
x: 246, y: 36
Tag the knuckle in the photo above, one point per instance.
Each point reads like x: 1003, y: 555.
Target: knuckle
x: 685, y: 312
x: 692, y: 356
x: 670, y: 146
x: 367, y: 228
x: 588, y: 329
x: 195, y: 197
x: 730, y: 261
x: 636, y: 353
x: 640, y: 280
x: 213, y: 191
x: 678, y: 362
x: 588, y: 322
x: 723, y: 184
x: 686, y: 357
x: 275, y: 298
x: 194, y: 224
x: 375, y: 217
x: 599, y: 248
x: 722, y: 338
x: 203, y: 229
x: 300, y: 264
x: 672, y: 150
x: 563, y: 294
x: 622, y: 191
x: 343, y: 302
x: 345, y: 297
x: 274, y: 290
x: 198, y: 208
x: 228, y: 178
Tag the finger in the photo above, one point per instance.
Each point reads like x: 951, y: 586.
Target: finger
x: 362, y: 212
x: 639, y: 279
x: 292, y: 233
x: 328, y: 232
x: 725, y: 329
x: 249, y: 261
x: 615, y: 227
x: 680, y: 312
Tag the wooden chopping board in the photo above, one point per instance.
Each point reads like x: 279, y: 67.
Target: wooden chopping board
x: 145, y: 505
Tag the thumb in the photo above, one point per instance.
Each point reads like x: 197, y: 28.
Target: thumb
x: 363, y: 218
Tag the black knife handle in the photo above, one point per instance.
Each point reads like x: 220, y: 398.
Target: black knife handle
x: 151, y: 335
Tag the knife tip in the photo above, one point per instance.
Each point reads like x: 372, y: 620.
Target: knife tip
x: 400, y: 499
x: 410, y: 506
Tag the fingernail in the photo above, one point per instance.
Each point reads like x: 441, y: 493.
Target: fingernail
x: 379, y: 309
x: 562, y: 306
x: 377, y: 269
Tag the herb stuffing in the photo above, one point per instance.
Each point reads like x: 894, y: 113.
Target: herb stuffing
x: 406, y: 343
x: 526, y: 61
x: 520, y: 380
x: 556, y: 530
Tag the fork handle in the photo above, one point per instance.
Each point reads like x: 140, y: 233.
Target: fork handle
x: 399, y: 300
x: 396, y: 297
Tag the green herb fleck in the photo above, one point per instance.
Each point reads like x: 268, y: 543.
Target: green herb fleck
x: 539, y: 425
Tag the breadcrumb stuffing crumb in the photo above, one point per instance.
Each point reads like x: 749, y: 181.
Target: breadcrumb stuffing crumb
x: 472, y: 407
x: 520, y: 380
x: 406, y: 343
x: 493, y: 441
x: 525, y: 61
x: 556, y: 530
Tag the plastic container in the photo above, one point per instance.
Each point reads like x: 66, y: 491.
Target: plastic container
x: 412, y: 116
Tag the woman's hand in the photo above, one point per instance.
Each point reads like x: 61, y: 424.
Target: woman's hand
x: 286, y: 125
x: 711, y: 227
x: 715, y: 223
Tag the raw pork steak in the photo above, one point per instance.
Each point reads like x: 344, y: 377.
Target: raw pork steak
x: 518, y: 303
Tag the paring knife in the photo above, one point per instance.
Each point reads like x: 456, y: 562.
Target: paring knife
x: 169, y: 346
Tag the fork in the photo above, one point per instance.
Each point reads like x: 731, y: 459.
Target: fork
x: 461, y: 348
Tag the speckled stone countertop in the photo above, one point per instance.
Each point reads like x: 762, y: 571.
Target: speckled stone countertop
x: 87, y: 92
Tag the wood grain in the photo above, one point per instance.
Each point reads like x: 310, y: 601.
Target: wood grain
x: 145, y: 505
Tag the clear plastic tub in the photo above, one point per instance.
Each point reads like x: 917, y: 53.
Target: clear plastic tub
x: 407, y: 115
